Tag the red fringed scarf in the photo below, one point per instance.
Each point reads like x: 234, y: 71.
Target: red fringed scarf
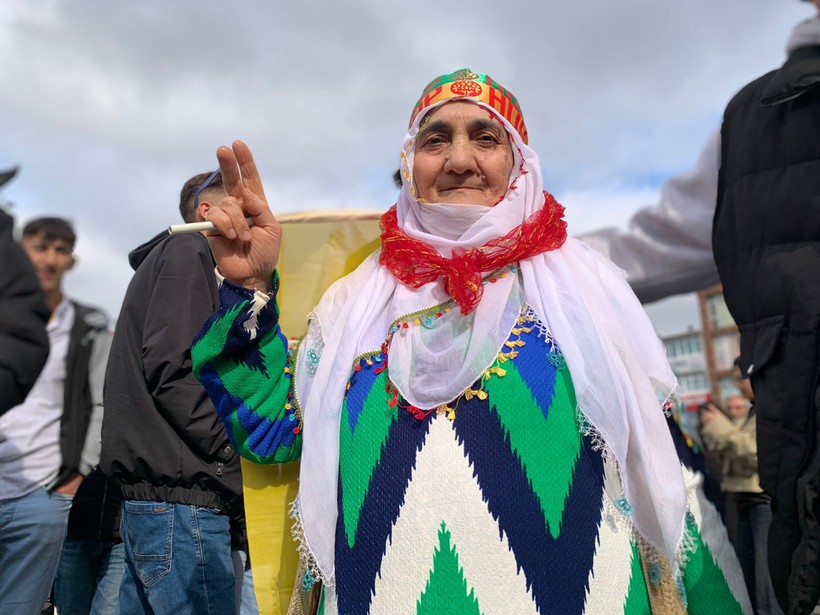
x: 416, y: 262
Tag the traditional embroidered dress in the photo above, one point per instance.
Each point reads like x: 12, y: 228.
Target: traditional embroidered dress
x: 500, y: 502
x: 451, y: 464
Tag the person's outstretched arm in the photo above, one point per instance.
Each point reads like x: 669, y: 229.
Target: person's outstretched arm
x: 667, y: 247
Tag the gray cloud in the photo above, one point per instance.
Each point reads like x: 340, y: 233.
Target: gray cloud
x: 109, y: 107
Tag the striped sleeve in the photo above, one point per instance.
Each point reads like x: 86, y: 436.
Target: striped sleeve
x: 241, y: 358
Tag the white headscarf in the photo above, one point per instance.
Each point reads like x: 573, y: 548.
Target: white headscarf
x: 618, y: 364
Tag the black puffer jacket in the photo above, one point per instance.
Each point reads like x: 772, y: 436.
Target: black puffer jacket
x: 162, y: 438
x: 766, y: 241
x: 23, y: 318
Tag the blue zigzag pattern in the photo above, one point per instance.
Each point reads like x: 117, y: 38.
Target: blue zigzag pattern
x: 356, y: 568
x: 534, y: 368
x: 264, y: 436
x: 360, y: 384
x: 557, y: 570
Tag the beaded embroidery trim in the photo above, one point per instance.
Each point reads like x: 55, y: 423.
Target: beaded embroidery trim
x: 428, y: 316
x: 294, y: 411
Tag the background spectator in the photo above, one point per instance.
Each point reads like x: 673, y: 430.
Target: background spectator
x: 44, y: 449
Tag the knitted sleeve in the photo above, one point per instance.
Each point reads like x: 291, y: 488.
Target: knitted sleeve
x: 241, y: 358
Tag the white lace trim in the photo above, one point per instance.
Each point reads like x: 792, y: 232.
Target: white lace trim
x: 297, y: 532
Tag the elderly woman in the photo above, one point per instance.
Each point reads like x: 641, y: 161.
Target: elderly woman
x: 477, y: 408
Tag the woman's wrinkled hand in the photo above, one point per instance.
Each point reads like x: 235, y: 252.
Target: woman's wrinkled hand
x: 245, y: 254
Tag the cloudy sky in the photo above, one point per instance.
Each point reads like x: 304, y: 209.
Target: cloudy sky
x: 108, y: 107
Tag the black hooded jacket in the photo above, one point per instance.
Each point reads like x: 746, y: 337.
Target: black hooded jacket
x: 162, y: 439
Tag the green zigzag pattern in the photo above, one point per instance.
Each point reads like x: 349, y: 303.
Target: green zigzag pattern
x: 548, y: 449
x: 637, y: 597
x: 446, y: 589
x: 243, y: 382
x: 706, y: 587
x: 360, y: 452
x: 211, y: 345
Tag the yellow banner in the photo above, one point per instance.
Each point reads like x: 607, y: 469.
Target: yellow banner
x: 317, y: 249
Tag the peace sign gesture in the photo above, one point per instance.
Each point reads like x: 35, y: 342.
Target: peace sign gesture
x: 246, y: 255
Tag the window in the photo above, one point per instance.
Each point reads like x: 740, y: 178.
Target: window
x: 693, y: 383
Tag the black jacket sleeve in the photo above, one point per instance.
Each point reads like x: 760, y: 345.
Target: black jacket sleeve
x: 184, y: 296
x: 23, y: 317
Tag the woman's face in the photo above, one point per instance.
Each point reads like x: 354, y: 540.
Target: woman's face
x: 462, y: 155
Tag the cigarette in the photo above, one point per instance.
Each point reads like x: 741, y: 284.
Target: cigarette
x: 197, y: 227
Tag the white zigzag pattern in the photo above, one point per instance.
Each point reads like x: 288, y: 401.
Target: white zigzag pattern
x: 608, y: 589
x: 486, y: 558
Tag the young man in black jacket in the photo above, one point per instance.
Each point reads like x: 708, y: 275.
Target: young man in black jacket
x: 47, y: 444
x: 162, y: 438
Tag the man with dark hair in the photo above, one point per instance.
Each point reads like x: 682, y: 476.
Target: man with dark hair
x: 192, y: 197
x: 47, y: 443
x: 162, y: 439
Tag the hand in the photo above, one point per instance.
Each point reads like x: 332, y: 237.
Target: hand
x: 246, y: 255
x: 70, y: 485
x: 709, y: 412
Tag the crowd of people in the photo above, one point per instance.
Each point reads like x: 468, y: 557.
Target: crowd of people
x: 479, y: 409
x: 142, y: 512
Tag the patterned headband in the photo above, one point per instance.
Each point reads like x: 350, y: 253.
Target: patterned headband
x: 465, y: 83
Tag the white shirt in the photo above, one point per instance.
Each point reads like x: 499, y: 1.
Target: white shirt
x: 667, y: 247
x: 30, y: 433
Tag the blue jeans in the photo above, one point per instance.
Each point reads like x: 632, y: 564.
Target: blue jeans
x: 89, y: 577
x: 32, y: 530
x: 245, y: 594
x: 178, y: 560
